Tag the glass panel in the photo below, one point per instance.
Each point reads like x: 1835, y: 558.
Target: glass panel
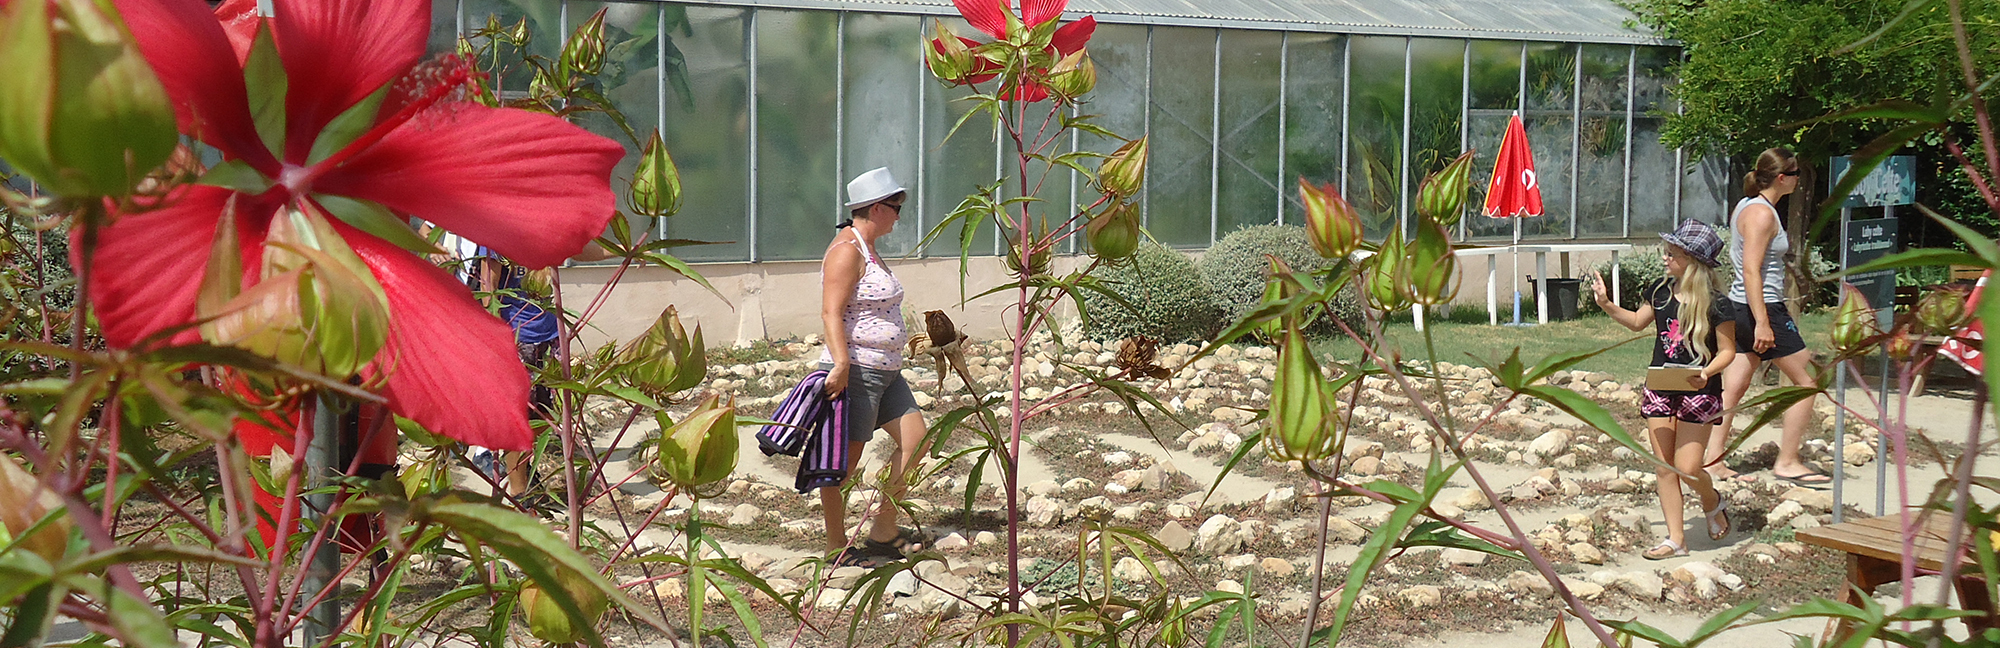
x: 1705, y: 192
x: 1314, y: 69
x: 1437, y: 83
x: 1496, y: 74
x: 1652, y: 179
x: 1375, y: 132
x: 708, y: 129
x: 631, y: 80
x: 1119, y: 101
x: 444, y: 27
x: 1600, y: 199
x: 1181, y: 157
x: 955, y: 167
x: 1652, y: 78
x: 545, y: 35
x: 1249, y: 184
x: 798, y: 197
x: 1550, y: 123
x: 881, y: 81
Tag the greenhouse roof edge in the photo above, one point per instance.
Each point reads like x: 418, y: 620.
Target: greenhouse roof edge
x: 1569, y: 21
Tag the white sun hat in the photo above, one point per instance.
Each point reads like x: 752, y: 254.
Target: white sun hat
x: 871, y: 187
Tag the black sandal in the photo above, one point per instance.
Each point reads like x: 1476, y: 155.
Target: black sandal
x: 869, y: 555
x: 906, y: 542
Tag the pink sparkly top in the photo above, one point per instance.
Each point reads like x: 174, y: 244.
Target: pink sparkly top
x: 873, y: 317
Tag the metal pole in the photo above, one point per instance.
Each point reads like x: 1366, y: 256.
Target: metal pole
x: 1840, y: 392
x: 839, y: 114
x: 1403, y: 169
x: 1882, y: 413
x: 1631, y: 97
x: 750, y: 58
x: 1215, y: 141
x: 322, y: 452
x: 1284, y: 70
x: 1575, y: 137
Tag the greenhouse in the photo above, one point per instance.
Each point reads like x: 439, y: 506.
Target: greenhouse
x: 768, y: 107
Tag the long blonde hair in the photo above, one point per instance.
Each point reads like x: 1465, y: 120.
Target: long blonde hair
x: 1695, y: 289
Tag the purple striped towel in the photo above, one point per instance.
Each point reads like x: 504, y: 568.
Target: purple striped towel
x: 811, y: 423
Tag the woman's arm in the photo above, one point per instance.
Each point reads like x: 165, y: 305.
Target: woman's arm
x: 1725, y: 352
x: 841, y: 271
x: 1634, y: 320
x: 1757, y: 235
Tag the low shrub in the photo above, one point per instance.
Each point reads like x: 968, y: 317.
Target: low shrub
x: 1235, y: 269
x: 1168, y: 299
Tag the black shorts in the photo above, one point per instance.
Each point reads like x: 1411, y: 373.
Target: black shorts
x: 1787, y: 332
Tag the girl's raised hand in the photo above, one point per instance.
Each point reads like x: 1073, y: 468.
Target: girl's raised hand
x: 1597, y: 287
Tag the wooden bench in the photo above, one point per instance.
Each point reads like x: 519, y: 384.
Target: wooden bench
x: 1874, y: 549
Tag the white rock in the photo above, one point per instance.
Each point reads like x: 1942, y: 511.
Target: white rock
x: 1131, y: 570
x: 744, y: 515
x: 1174, y: 536
x: 986, y: 539
x: 1043, y: 488
x: 1340, y: 530
x: 1549, y: 444
x: 1044, y: 511
x: 1472, y: 499
x: 1277, y: 567
x: 1586, y: 553
x: 1280, y: 499
x: 1421, y: 595
x: 952, y: 543
x: 1522, y: 582
x: 1642, y: 585
x: 1239, y: 563
x: 1784, y: 512
x: 1118, y: 458
x: 1465, y: 557
x: 1229, y: 585
x: 1218, y: 536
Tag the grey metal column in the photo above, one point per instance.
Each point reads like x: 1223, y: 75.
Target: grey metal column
x: 839, y: 113
x: 1403, y: 168
x: 322, y: 452
x: 659, y: 227
x: 1346, y: 85
x: 1631, y: 97
x: 1145, y: 188
x: 1215, y: 140
x: 1680, y: 160
x: 1284, y: 79
x: 923, y: 145
x: 1575, y: 133
x: 750, y: 58
x: 1465, y: 123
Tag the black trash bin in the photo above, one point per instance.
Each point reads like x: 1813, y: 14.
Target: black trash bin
x: 1563, y: 294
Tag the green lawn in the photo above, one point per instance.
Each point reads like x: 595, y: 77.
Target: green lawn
x: 1462, y: 343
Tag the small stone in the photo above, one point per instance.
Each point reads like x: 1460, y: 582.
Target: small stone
x: 1812, y: 499
x: 1340, y: 530
x: 1622, y: 485
x: 1043, y: 488
x: 1642, y: 585
x: 1277, y: 567
x: 1280, y: 499
x: 1217, y: 535
x: 1239, y: 563
x: 1366, y: 466
x: 1783, y: 513
x: 1522, y: 582
x: 1079, y: 486
x: 1131, y: 570
x: 1228, y: 585
x: 986, y: 539
x: 1472, y: 499
x: 952, y: 543
x: 1044, y: 511
x: 1805, y: 522
x: 1126, y: 513
x: 1586, y: 553
x: 1583, y: 589
x: 744, y: 515
x: 1173, y: 536
x: 1418, y: 596
x: 1180, y: 510
x: 1549, y: 444
x: 845, y: 577
x: 1463, y: 557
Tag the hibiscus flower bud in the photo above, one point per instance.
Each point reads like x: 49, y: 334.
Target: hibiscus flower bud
x: 1901, y: 344
x: 1432, y: 265
x: 1038, y: 262
x: 80, y: 111
x: 1442, y: 196
x: 1331, y: 223
x: 1121, y: 172
x: 656, y: 185
x: 701, y: 448
x: 317, y: 305
x: 949, y: 58
x: 546, y: 619
x: 666, y: 359
x: 584, y: 53
x: 23, y: 502
x: 1304, y: 425
x: 1853, y: 324
x: 1276, y: 288
x: 1114, y: 234
x: 1072, y: 77
x: 1385, y: 275
x: 1943, y: 310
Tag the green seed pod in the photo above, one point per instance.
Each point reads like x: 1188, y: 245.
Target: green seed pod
x: 1074, y: 76
x: 1943, y: 310
x: 1332, y: 225
x: 1431, y: 264
x: 666, y: 359
x: 1853, y: 324
x: 1304, y: 425
x: 1385, y: 275
x: 584, y: 53
x: 656, y: 184
x: 1121, y: 173
x: 1114, y: 234
x: 701, y: 448
x: 546, y: 620
x: 80, y: 111
x: 1442, y: 195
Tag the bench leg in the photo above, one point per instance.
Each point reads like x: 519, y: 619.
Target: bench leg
x: 1972, y: 596
x: 1863, y: 576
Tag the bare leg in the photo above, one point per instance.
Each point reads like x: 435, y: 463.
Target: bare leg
x: 908, y: 431
x: 834, y: 507
x: 1671, y: 505
x: 1688, y: 452
x: 1735, y: 382
x: 517, y: 471
x: 1797, y: 367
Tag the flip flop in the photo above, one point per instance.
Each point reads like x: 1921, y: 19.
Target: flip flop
x: 864, y: 556
x: 1825, y: 481
x: 1666, y: 549
x: 1718, y: 521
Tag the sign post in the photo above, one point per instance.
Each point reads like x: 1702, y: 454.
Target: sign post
x: 1861, y: 241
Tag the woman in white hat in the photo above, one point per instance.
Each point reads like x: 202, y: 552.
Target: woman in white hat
x: 861, y: 305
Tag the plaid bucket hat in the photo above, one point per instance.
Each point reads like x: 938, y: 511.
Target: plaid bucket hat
x: 1698, y: 239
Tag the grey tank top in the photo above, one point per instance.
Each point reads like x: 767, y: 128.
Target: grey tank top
x: 1774, y: 258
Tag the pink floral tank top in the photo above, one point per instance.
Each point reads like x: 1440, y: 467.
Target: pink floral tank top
x: 873, y: 316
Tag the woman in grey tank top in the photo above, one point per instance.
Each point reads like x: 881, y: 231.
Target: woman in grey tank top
x: 1764, y: 327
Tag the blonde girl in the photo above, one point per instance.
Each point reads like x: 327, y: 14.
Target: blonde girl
x: 1694, y: 329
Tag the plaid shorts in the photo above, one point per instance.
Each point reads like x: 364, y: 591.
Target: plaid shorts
x: 1688, y: 406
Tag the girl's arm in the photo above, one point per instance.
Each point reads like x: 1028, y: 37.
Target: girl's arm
x: 1725, y: 352
x: 1631, y: 319
x: 1757, y: 236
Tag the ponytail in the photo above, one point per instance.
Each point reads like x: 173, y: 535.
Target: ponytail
x: 1770, y: 163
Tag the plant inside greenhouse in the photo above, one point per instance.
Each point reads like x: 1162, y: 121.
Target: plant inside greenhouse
x: 495, y: 323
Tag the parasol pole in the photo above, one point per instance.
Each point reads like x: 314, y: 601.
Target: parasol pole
x: 1516, y: 266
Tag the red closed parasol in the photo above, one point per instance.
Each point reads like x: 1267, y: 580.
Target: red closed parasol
x: 1513, y: 192
x: 1969, y: 356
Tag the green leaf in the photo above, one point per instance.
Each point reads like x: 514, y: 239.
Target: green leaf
x: 1592, y: 413
x: 1915, y: 258
x: 34, y: 615
x: 135, y: 620
x: 235, y: 175
x: 371, y: 217
x: 348, y: 126
x: 1775, y: 402
x: 1558, y: 636
x: 99, y: 561
x: 1716, y: 624
x: 1822, y: 607
x: 1978, y: 243
x: 1555, y: 362
x: 265, y: 82
x: 681, y: 268
x: 1242, y: 450
x: 1439, y: 534
x: 542, y: 555
x: 1643, y: 631
x: 1376, y: 550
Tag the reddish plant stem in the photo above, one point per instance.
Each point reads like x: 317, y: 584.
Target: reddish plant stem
x: 603, y: 295
x: 1970, y: 70
x: 633, y: 538
x: 568, y: 425
x: 109, y: 434
x: 597, y: 463
x: 266, y: 608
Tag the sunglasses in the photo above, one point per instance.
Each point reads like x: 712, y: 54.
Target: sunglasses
x: 894, y: 207
x: 1793, y: 173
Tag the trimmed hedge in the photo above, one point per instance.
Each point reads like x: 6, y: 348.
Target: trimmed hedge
x: 1235, y: 269
x: 1168, y: 297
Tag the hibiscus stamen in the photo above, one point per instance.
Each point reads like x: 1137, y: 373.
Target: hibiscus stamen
x: 449, y: 76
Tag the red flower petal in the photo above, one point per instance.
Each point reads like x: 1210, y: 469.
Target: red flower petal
x: 1071, y: 37
x: 532, y: 187
x: 148, y: 265
x: 239, y: 21
x: 989, y: 16
x: 449, y: 364
x: 201, y: 73
x: 1036, y: 12
x: 337, y: 52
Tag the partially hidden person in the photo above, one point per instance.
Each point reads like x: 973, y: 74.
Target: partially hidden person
x: 1694, y: 342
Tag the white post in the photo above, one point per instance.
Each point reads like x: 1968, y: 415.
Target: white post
x: 1417, y: 316
x: 1492, y: 287
x: 1615, y: 293
x: 1542, y: 287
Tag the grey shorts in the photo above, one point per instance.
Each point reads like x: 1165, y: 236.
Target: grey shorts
x: 874, y: 398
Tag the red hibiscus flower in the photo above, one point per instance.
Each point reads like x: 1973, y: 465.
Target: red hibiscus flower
x: 992, y: 17
x: 338, y: 117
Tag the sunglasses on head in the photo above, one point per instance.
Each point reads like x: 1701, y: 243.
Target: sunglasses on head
x: 1793, y: 173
